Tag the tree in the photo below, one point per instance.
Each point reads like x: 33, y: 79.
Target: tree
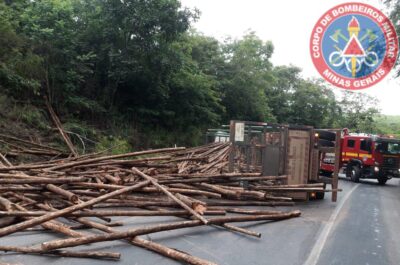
x: 311, y: 104
x: 136, y: 68
x: 19, y: 67
x: 246, y: 76
x: 53, y: 38
x: 194, y: 102
x: 358, y: 111
x: 394, y: 6
x: 285, y: 80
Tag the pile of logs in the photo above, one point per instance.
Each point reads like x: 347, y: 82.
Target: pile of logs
x: 16, y: 146
x: 66, y: 195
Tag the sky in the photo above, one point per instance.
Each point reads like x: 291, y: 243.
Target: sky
x: 288, y: 24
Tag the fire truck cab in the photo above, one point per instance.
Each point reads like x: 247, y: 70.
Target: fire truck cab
x: 367, y: 156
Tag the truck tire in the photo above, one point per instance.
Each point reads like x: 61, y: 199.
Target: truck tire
x: 326, y: 135
x: 320, y: 195
x: 355, y: 173
x: 325, y: 143
x: 382, y: 180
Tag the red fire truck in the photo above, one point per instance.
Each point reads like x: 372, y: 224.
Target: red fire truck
x: 365, y: 156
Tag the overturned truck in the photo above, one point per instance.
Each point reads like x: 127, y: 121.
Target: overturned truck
x: 277, y: 150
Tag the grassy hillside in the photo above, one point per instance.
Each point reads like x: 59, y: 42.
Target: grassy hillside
x: 30, y: 122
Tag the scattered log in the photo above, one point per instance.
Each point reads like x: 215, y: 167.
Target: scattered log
x: 163, y: 250
x: 63, y: 253
x: 169, y: 252
x: 71, y: 242
x: 60, y: 128
x: 241, y: 230
x: 5, y: 160
x: 90, y: 213
x: 97, y: 159
x: 52, y: 215
x: 170, y: 195
x: 186, y: 183
x: 38, y: 180
x: 65, y: 193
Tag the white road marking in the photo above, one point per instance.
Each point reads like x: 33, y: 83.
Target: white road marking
x: 323, y: 236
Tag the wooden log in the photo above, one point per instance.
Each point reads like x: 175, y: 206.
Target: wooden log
x: 59, y: 227
x: 170, y: 252
x: 5, y: 160
x: 29, y: 143
x: 260, y: 178
x: 71, y: 242
x: 241, y: 230
x: 158, y: 248
x: 19, y: 188
x: 187, y: 191
x: 60, y: 128
x: 90, y: 213
x: 37, y: 180
x: 296, y: 185
x: 127, y: 163
x: 112, y: 179
x: 137, y: 204
x: 35, y: 152
x: 5, y: 204
x: 47, y: 207
x: 196, y: 205
x: 52, y: 215
x: 63, y: 253
x: 219, y: 175
x: 53, y: 225
x: 230, y: 227
x: 190, y: 180
x: 226, y: 192
x: 147, y: 189
x: 24, y: 167
x: 277, y: 198
x: 20, y: 175
x: 97, y: 159
x: 279, y: 189
x: 252, y: 212
x: 170, y: 195
x: 64, y: 193
x: 247, y: 203
x: 74, y: 227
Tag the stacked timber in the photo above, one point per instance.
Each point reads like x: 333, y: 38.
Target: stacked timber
x: 66, y: 195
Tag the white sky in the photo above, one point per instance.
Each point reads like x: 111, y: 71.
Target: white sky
x: 288, y: 24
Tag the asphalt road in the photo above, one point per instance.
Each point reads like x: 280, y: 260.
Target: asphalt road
x: 361, y: 228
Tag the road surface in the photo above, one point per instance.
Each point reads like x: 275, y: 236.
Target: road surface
x: 361, y: 228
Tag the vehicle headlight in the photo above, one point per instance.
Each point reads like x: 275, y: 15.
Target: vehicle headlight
x: 376, y: 169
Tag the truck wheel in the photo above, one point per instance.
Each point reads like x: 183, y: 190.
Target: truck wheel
x: 320, y: 195
x: 382, y: 180
x: 326, y: 135
x: 355, y: 173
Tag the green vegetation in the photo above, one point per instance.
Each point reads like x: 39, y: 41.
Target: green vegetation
x: 389, y: 125
x: 394, y: 6
x: 134, y: 73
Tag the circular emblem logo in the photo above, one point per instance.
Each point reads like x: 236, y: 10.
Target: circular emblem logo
x: 354, y: 46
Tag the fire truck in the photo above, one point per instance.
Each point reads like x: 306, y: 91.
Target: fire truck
x: 364, y: 156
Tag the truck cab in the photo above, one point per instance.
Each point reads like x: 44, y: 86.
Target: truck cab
x: 367, y: 156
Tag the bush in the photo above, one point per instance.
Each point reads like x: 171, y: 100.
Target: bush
x: 113, y: 145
